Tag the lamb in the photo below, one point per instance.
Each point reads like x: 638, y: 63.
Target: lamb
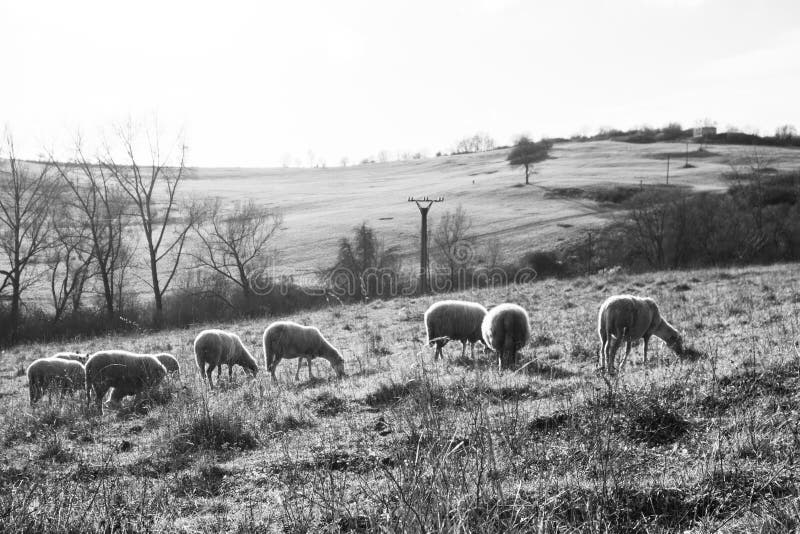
x: 287, y: 339
x: 74, y: 356
x: 506, y: 329
x: 628, y: 318
x: 169, y: 362
x: 45, y: 373
x: 217, y: 347
x: 454, y: 320
x: 127, y: 372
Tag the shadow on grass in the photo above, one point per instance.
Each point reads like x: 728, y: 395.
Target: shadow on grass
x: 545, y: 370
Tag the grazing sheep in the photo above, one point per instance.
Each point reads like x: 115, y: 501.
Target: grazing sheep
x: 169, y: 362
x: 454, y: 320
x: 286, y: 339
x: 506, y: 329
x: 127, y: 372
x: 217, y: 347
x: 628, y: 318
x: 74, y: 356
x: 46, y: 373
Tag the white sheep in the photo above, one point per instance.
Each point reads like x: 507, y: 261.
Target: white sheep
x: 628, y: 318
x: 47, y: 373
x: 169, y: 362
x: 458, y: 320
x: 506, y: 330
x: 127, y: 372
x: 287, y: 340
x: 74, y: 356
x: 217, y: 347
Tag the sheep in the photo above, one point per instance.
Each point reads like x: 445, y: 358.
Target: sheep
x: 74, y: 356
x: 45, y: 373
x: 169, y: 362
x: 454, y: 320
x: 628, y: 318
x: 217, y: 347
x: 127, y: 372
x: 506, y: 329
x: 287, y: 339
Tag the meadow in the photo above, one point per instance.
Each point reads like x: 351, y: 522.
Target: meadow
x: 406, y: 443
x: 322, y: 205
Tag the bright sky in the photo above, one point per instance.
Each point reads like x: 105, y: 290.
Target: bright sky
x: 249, y: 82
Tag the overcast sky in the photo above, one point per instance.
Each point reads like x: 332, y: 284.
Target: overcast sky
x: 249, y: 82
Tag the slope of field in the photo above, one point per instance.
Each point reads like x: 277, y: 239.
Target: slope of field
x: 404, y: 443
x: 323, y: 205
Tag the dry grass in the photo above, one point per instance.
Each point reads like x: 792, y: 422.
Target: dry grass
x: 408, y: 444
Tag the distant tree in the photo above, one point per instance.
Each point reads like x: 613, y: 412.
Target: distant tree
x: 234, y: 244
x: 96, y: 200
x: 383, y: 156
x: 785, y: 132
x: 69, y: 260
x: 526, y: 153
x: 151, y: 184
x: 364, y: 267
x: 454, y: 243
x: 27, y: 198
x: 480, y: 142
x: 344, y: 161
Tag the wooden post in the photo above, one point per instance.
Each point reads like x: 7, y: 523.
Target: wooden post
x: 424, y: 204
x: 667, y: 169
x: 687, y: 154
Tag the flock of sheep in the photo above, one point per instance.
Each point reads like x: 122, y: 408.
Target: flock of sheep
x: 505, y: 330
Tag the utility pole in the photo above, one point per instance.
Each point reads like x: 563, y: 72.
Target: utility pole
x: 424, y: 204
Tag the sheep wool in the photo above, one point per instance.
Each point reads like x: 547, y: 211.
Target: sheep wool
x: 288, y: 340
x: 74, y: 356
x: 458, y: 320
x: 127, y: 372
x: 628, y: 318
x: 506, y: 329
x: 213, y: 348
x: 51, y: 373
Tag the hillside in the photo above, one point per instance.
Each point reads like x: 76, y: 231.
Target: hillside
x: 404, y: 443
x: 322, y: 205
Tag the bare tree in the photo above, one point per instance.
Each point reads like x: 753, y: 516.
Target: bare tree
x: 27, y: 193
x: 68, y: 262
x: 152, y: 188
x: 234, y: 244
x: 455, y: 244
x: 103, y: 208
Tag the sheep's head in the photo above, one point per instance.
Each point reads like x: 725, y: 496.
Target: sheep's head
x: 336, y: 361
x: 675, y: 343
x: 250, y: 366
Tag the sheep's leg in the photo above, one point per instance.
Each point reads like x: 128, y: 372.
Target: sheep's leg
x: 646, y: 341
x: 230, y: 372
x: 272, y: 368
x: 210, y: 375
x: 202, y: 368
x: 310, y: 374
x: 611, y: 356
x: 603, y: 350
x: 472, y: 351
x: 299, y: 366
x: 463, y: 349
x: 438, y: 353
x: 100, y: 392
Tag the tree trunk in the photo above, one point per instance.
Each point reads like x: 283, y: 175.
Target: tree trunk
x: 527, y: 174
x: 15, y: 302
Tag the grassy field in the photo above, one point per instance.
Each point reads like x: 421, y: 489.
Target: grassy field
x: 404, y: 443
x: 323, y: 205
